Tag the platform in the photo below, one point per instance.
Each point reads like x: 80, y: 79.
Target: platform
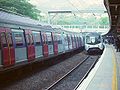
x: 105, y: 74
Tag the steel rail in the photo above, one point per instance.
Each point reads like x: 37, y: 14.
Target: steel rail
x: 91, y: 67
x: 66, y: 74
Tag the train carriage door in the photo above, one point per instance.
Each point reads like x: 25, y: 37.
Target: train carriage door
x: 30, y: 45
x: 72, y: 42
x: 65, y: 42
x: 68, y: 38
x: 55, y: 42
x: 69, y: 42
x: 7, y: 48
x: 77, y: 41
x: 50, y: 43
x: 37, y: 43
x: 19, y: 43
x: 45, y: 45
x: 80, y: 41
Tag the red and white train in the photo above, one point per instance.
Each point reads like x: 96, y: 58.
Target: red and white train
x: 24, y: 39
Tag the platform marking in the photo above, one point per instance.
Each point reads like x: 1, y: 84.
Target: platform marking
x: 84, y: 85
x: 114, y: 77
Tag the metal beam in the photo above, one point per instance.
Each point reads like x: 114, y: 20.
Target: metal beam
x: 90, y: 11
x: 80, y: 11
x: 59, y: 12
x: 117, y: 4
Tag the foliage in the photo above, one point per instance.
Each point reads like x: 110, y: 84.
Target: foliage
x: 104, y: 21
x: 70, y: 20
x: 20, y: 6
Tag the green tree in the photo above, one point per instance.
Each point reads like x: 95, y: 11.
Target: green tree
x: 22, y: 7
x: 104, y: 21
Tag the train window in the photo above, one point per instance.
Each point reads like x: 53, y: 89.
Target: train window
x: 88, y: 39
x: 36, y: 37
x: 18, y: 38
x: 74, y: 38
x: 49, y: 38
x: 65, y: 38
x: 93, y: 40
x: 69, y: 39
x: 55, y: 38
x: 59, y: 39
x: 97, y: 39
x: 3, y: 40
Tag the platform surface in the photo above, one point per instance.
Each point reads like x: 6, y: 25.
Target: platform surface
x: 107, y: 74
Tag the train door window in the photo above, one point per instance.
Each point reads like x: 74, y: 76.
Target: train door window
x: 18, y: 39
x: 36, y: 37
x: 49, y: 38
x: 55, y: 37
x: 18, y: 35
x: 68, y: 38
x: 65, y: 38
x: 75, y: 39
x: 43, y: 39
x: 3, y: 40
x: 72, y: 39
x: 87, y: 39
x: 59, y: 38
x: 93, y: 40
x: 97, y: 39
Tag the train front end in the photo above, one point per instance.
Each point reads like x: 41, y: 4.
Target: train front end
x: 93, y: 42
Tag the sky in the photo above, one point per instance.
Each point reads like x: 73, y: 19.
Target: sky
x: 73, y: 5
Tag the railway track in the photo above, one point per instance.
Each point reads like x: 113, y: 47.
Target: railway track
x: 52, y: 77
x: 74, y: 77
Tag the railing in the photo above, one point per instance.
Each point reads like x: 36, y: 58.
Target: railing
x: 85, y: 26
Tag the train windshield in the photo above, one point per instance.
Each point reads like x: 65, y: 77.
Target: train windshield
x: 93, y: 40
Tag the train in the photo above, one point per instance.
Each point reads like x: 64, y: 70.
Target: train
x: 93, y: 42
x: 23, y: 39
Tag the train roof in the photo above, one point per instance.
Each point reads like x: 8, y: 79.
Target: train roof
x: 11, y: 20
x: 6, y: 17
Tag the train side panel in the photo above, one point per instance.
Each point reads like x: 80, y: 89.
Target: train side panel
x: 7, y: 47
x: 20, y: 47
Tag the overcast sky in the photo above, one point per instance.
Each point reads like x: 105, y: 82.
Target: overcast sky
x: 74, y: 5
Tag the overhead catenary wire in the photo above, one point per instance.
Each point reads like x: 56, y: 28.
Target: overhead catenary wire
x: 76, y: 9
x: 74, y: 6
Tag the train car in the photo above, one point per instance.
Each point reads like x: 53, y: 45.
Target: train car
x: 93, y: 42
x: 24, y: 40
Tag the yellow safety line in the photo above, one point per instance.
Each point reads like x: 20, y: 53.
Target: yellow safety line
x: 114, y: 77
